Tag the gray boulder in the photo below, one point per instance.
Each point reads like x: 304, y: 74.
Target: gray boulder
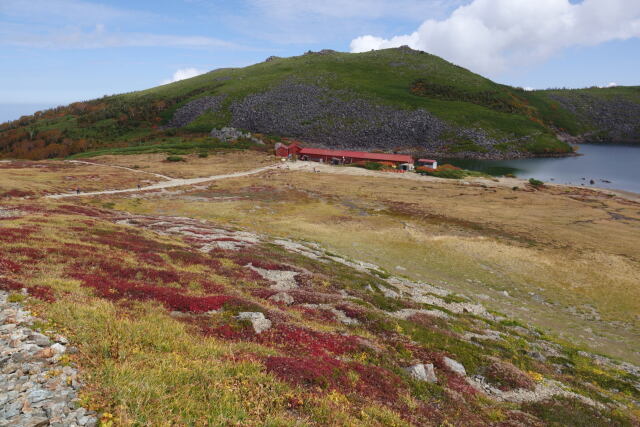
x: 258, y: 321
x: 455, y: 366
x: 282, y: 297
x: 422, y: 372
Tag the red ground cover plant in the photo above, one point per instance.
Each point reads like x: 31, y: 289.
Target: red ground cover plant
x: 128, y: 241
x: 10, y: 285
x: 172, y: 298
x: 316, y: 314
x: 327, y: 373
x: 72, y: 250
x: 302, y: 341
x: 305, y: 297
x: 43, y: 293
x: 31, y: 253
x: 15, y: 234
x: 357, y: 313
x: 8, y: 266
x: 16, y: 193
x: 459, y: 384
x: 508, y: 377
x: 82, y: 210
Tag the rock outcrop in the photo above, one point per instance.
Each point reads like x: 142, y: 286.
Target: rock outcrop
x: 194, y: 109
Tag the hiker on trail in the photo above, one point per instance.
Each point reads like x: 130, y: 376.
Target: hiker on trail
x: 78, y: 190
x: 138, y: 186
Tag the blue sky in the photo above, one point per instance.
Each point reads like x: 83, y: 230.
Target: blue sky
x: 58, y: 51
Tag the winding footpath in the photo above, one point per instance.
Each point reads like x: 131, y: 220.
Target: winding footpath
x: 169, y: 183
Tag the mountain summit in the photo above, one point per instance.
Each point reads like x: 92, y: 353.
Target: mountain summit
x: 397, y: 99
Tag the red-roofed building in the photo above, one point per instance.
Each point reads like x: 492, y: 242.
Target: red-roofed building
x: 341, y: 156
x: 433, y: 164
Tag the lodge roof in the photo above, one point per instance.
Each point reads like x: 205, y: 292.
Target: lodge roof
x: 403, y: 158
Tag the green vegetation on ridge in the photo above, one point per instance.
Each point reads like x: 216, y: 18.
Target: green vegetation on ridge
x: 399, y: 78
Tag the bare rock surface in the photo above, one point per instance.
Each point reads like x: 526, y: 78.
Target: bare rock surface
x: 422, y: 372
x: 194, y: 109
x: 36, y: 389
x: 258, y: 321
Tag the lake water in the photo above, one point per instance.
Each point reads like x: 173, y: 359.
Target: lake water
x: 618, y: 164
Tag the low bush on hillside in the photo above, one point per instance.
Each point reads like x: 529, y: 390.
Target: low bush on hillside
x: 373, y: 166
x: 447, y: 171
x: 175, y: 159
x: 536, y: 183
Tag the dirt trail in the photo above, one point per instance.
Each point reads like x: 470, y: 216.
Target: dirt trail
x: 120, y: 167
x: 171, y: 182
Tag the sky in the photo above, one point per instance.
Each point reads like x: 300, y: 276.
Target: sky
x: 53, y: 52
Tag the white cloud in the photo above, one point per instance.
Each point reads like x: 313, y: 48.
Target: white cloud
x: 492, y: 36
x: 612, y: 84
x: 182, y: 74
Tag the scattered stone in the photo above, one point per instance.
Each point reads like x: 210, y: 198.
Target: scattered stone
x: 454, y: 366
x: 58, y: 348
x: 258, y: 321
x: 282, y: 297
x: 194, y: 109
x: 422, y: 372
x: 34, y: 390
x: 227, y: 134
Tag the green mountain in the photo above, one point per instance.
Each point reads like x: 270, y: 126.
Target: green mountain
x: 394, y: 100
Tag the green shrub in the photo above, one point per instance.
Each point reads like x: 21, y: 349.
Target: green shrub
x: 175, y: 159
x: 535, y: 182
x: 203, y: 155
x: 373, y: 166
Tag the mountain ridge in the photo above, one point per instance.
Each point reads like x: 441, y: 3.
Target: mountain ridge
x: 399, y: 100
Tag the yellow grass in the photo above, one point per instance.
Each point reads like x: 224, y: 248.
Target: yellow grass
x: 215, y: 164
x: 577, y: 251
x: 47, y: 177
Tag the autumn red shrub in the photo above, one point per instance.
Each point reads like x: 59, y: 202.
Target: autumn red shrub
x: 322, y: 372
x: 10, y: 285
x: 43, y: 293
x: 81, y: 210
x: 358, y: 313
x: 171, y: 298
x: 128, y: 241
x: 8, y: 266
x: 321, y: 315
x: 72, y: 250
x: 507, y: 377
x: 237, y: 332
x: 460, y: 384
x: 116, y: 268
x: 191, y: 258
x: 15, y: 234
x: 31, y: 253
x: 297, y: 340
x: 263, y: 293
x: 151, y: 258
x: 305, y: 297
x: 327, y: 373
x: 16, y: 193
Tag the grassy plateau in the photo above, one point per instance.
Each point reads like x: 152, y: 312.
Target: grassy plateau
x: 360, y: 274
